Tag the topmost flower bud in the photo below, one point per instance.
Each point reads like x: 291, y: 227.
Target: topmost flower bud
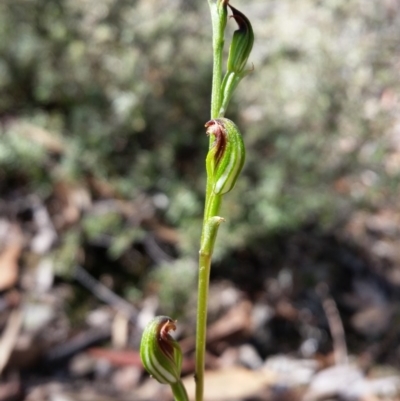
x: 242, y: 42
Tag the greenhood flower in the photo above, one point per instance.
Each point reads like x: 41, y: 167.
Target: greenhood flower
x: 226, y: 156
x: 242, y: 43
x: 161, y: 355
x: 239, y: 52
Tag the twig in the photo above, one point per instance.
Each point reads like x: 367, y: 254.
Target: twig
x: 335, y: 324
x: 103, y: 293
x: 77, y: 344
x: 10, y: 336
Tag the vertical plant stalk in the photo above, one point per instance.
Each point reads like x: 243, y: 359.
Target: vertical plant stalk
x: 209, y: 234
x: 224, y: 161
x: 212, y: 202
x: 218, y: 18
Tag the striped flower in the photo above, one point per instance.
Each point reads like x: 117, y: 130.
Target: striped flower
x: 226, y: 156
x: 242, y: 43
x: 161, y: 355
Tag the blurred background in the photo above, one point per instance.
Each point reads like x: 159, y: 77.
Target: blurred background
x: 102, y: 148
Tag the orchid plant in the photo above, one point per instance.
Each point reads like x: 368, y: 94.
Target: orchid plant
x: 160, y: 353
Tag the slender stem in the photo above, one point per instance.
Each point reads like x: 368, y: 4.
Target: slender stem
x: 179, y: 391
x: 204, y: 277
x: 211, y: 209
x: 209, y: 235
x: 218, y: 45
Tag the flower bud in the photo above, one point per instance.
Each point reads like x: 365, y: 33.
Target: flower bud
x: 242, y: 43
x: 239, y: 51
x: 226, y: 156
x: 161, y: 355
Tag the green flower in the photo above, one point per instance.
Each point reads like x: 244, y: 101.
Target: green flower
x: 226, y: 156
x: 239, y: 52
x: 242, y: 43
x: 161, y: 355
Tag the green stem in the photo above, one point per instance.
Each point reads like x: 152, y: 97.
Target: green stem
x: 218, y: 45
x: 212, y: 205
x: 179, y: 391
x: 209, y: 235
x: 204, y: 277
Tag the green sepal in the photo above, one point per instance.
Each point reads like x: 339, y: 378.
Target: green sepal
x: 161, y: 355
x: 226, y: 156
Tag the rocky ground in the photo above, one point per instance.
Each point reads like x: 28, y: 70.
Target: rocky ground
x: 314, y: 316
